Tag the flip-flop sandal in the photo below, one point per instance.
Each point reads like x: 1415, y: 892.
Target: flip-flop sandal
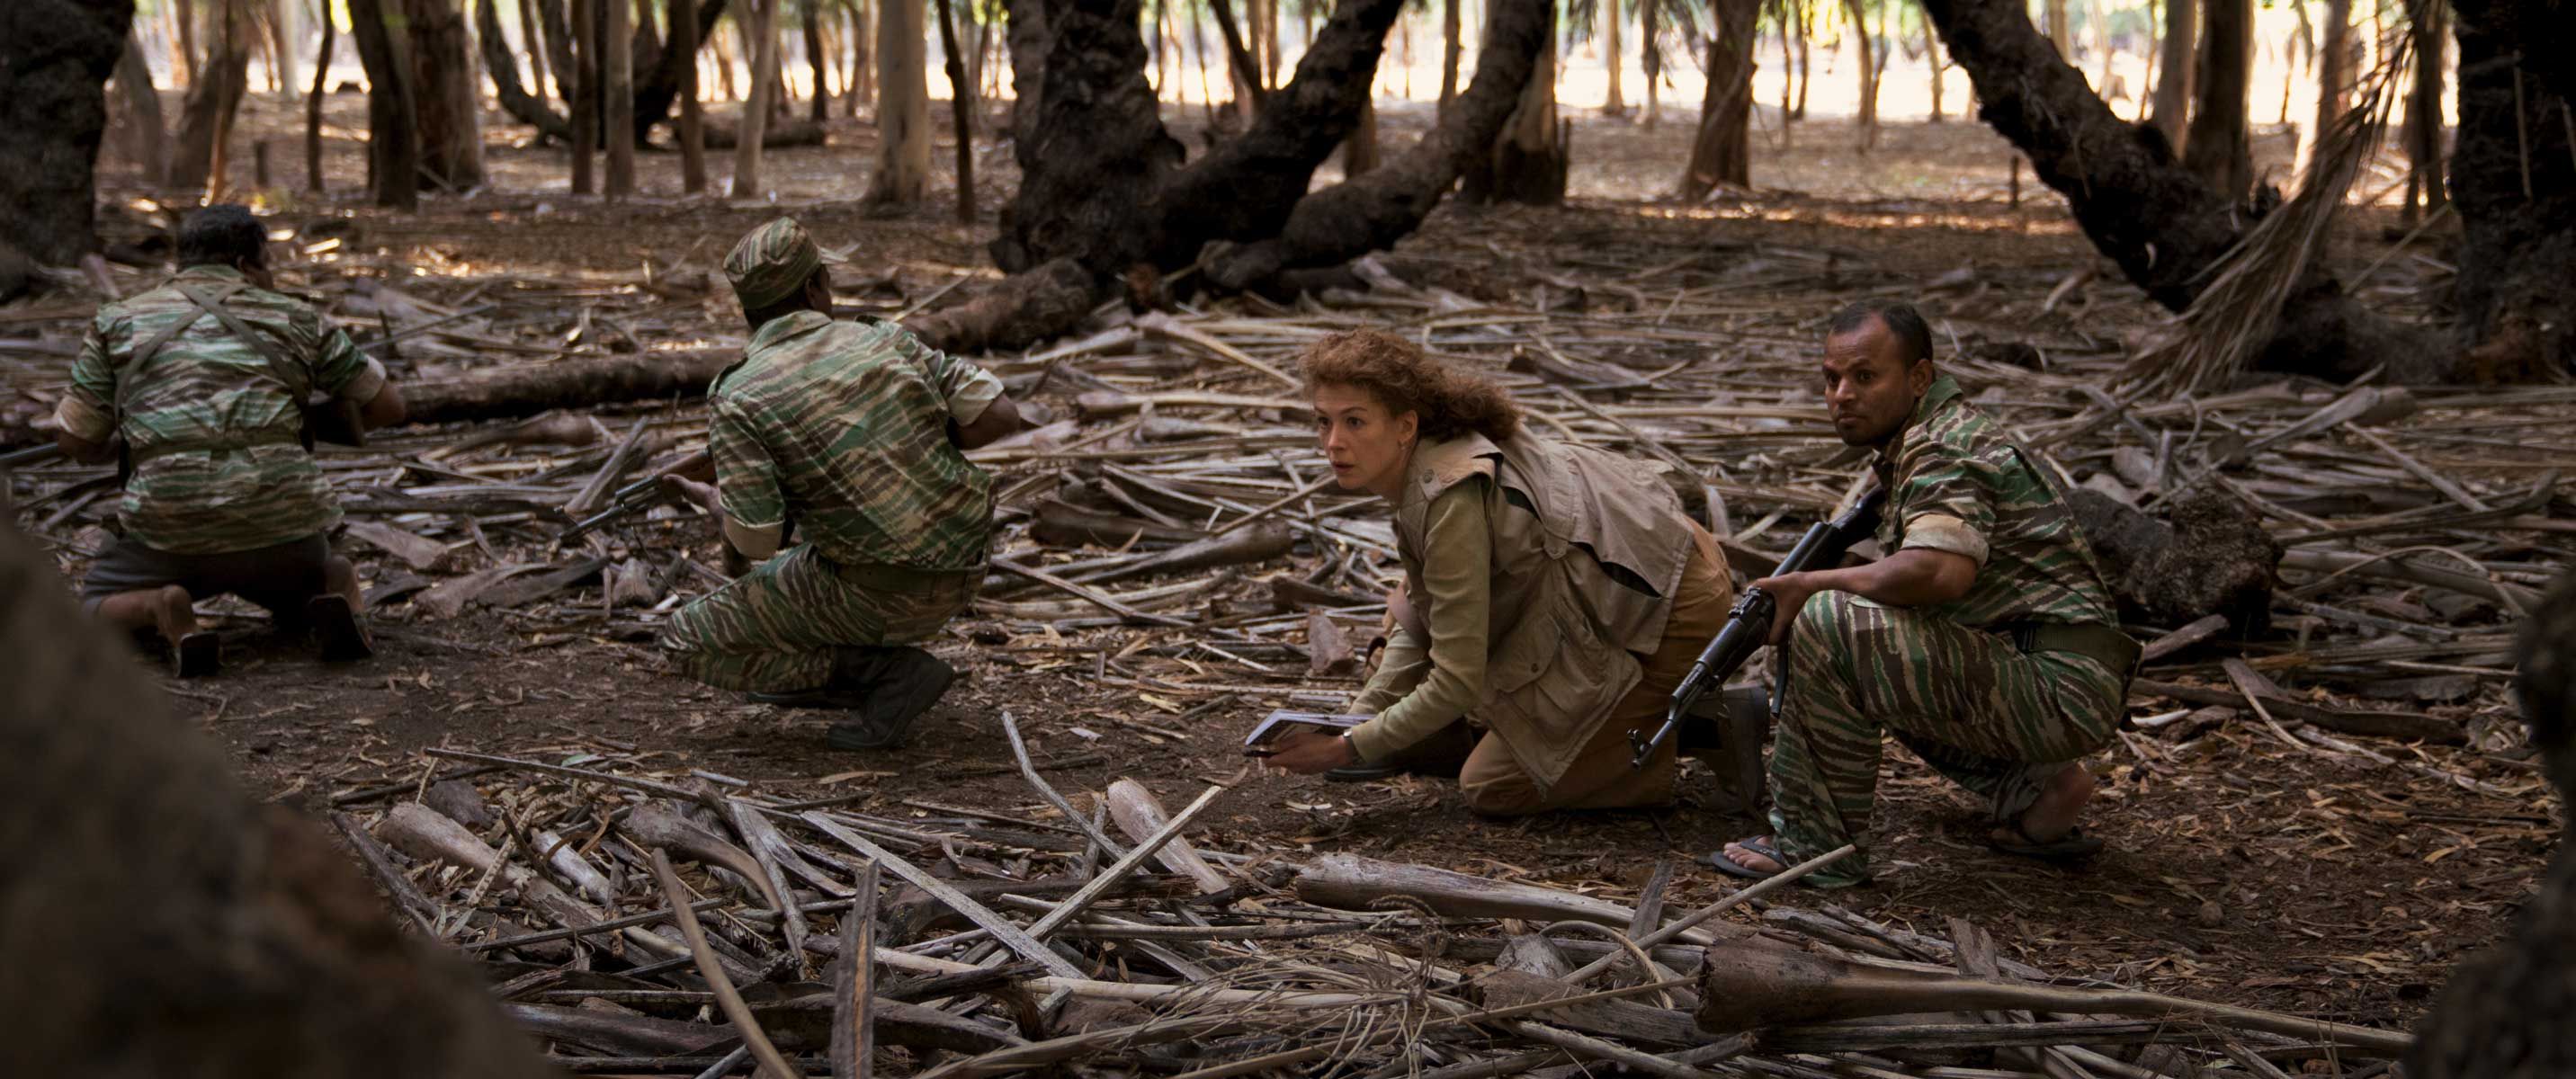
x: 338, y: 630
x: 1718, y: 860
x: 2075, y: 844
x: 198, y: 655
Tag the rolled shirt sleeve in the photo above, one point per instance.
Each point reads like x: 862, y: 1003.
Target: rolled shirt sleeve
x: 1941, y: 496
x: 755, y: 508
x: 1458, y: 576
x: 88, y: 409
x: 339, y: 368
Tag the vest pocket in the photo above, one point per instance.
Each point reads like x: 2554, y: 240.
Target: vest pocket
x: 1553, y: 675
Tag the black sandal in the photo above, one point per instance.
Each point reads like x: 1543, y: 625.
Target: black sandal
x: 198, y: 655
x: 2073, y: 846
x: 1718, y: 860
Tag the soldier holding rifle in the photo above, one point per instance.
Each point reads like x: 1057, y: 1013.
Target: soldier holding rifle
x: 1985, y: 640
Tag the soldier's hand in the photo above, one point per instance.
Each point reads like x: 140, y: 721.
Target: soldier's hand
x: 1789, y: 593
x: 700, y: 466
x: 689, y: 490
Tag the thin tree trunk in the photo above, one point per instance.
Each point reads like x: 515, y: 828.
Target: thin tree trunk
x: 617, y: 119
x: 1721, y: 152
x: 1269, y: 47
x: 763, y: 46
x: 531, y: 41
x: 2428, y: 21
x: 779, y: 89
x: 2218, y: 151
x: 281, y: 37
x: 206, y: 117
x: 1650, y: 57
x: 693, y: 134
x: 1450, y: 50
x: 557, y: 24
x: 2180, y: 54
x: 148, y: 134
x: 961, y: 110
x: 1786, y: 12
x: 1359, y: 152
x: 585, y: 93
x: 2059, y: 33
x: 443, y: 92
x: 2102, y: 42
x: 1612, y: 104
x: 724, y: 57
x: 1868, y: 119
x: 903, y: 106
x: 503, y: 65
x: 814, y: 62
x: 1806, y: 59
x: 1932, y: 58
x: 1240, y: 61
x: 2335, y: 64
x: 1528, y: 161
x: 313, y: 103
x: 184, y: 65
x: 393, y: 145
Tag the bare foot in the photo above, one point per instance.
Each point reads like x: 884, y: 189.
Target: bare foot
x: 2053, y: 816
x: 1749, y: 859
x: 174, y: 613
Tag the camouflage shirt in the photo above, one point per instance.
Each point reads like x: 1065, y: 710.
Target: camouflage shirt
x: 211, y: 430
x: 1958, y: 484
x: 843, y: 427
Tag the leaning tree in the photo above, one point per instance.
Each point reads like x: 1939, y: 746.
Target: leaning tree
x: 1108, y: 196
x: 55, y: 56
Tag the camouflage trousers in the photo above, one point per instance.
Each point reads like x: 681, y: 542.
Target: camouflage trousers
x: 1994, y: 719
x: 773, y: 630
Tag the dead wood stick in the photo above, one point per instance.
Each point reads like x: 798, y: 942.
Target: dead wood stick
x: 853, y: 1035
x: 985, y: 917
x: 1759, y: 888
x: 664, y: 789
x: 619, y: 460
x: 1351, y: 882
x: 1274, y: 506
x: 428, y: 835
x: 657, y: 828
x: 1345, y: 1047
x: 1029, y: 771
x: 399, y: 888
x: 761, y: 838
x: 725, y: 1064
x: 1160, y: 322
x: 2388, y: 567
x: 1101, y: 404
x: 1596, y: 1049
x: 1140, y: 815
x: 1092, y: 595
x: 610, y: 926
x: 2435, y: 480
x: 1118, y: 871
x: 771, y: 1063
x: 2180, y: 639
x: 1258, y: 545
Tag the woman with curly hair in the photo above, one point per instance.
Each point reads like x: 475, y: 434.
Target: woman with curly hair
x: 1553, y: 595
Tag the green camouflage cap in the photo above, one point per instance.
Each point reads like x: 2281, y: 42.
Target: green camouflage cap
x: 772, y: 263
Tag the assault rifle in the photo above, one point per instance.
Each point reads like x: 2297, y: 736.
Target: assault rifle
x: 638, y: 496
x: 1748, y: 626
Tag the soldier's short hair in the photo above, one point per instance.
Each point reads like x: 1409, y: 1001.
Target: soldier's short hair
x: 222, y: 234
x: 1901, y: 319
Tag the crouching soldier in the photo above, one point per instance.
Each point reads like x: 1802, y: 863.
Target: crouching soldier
x: 856, y: 433
x: 202, y: 385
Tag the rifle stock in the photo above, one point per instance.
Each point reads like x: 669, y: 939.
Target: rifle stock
x: 1748, y: 624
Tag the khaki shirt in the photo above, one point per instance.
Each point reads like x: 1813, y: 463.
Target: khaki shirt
x: 1542, y: 571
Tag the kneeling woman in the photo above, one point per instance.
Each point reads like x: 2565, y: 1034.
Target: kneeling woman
x: 1553, y: 595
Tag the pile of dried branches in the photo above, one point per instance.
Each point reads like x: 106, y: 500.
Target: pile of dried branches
x: 812, y: 936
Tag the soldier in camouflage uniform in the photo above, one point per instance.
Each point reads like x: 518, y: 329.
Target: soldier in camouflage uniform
x: 1985, y: 640
x: 853, y: 432
x: 201, y: 385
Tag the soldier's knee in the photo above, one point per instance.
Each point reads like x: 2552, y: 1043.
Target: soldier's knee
x: 1820, y: 627
x: 1502, y: 797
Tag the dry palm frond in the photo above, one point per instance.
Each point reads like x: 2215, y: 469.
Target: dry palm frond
x: 2210, y: 343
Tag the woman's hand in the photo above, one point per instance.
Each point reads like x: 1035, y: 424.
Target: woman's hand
x: 1308, y: 752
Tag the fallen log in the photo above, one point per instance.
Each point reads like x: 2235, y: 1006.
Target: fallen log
x: 721, y: 135
x: 1140, y: 814
x: 1351, y: 882
x: 1751, y: 983
x: 2342, y: 721
x: 2210, y: 556
x: 528, y: 389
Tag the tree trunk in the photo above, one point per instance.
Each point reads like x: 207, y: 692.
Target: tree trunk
x: 313, y: 103
x: 617, y: 40
x: 2513, y: 180
x: 451, y: 128
x: 1529, y: 158
x: 863, y: 68
x: 2179, y: 55
x: 531, y: 42
x: 281, y: 43
x: 1787, y: 13
x: 903, y: 106
x: 657, y: 87
x: 1027, y: 37
x: 2161, y: 224
x: 1239, y: 61
x: 2218, y: 150
x: 206, y: 117
x: 59, y: 54
x: 1650, y: 57
x: 503, y: 66
x: 393, y: 145
x: 961, y: 112
x: 1612, y: 103
x: 813, y: 21
x: 1359, y: 152
x: 1932, y: 59
x: 2428, y: 24
x: 183, y: 17
x: 1806, y: 62
x: 149, y: 142
x: 585, y: 93
x: 557, y: 23
x: 2336, y: 62
x: 1722, y: 154
x: 1451, y: 48
x: 2060, y: 34
x: 1868, y: 118
x: 763, y: 46
x: 693, y: 136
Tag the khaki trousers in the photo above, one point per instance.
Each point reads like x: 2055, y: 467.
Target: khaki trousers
x: 1496, y: 785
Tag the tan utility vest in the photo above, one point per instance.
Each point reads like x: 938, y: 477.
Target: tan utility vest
x: 1587, y: 550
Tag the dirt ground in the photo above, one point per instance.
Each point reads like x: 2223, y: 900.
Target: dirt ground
x: 2239, y: 870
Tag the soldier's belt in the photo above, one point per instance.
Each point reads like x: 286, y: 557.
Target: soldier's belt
x: 215, y: 445
x: 2105, y: 645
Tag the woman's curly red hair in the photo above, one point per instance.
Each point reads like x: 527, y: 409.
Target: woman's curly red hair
x: 1405, y: 379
